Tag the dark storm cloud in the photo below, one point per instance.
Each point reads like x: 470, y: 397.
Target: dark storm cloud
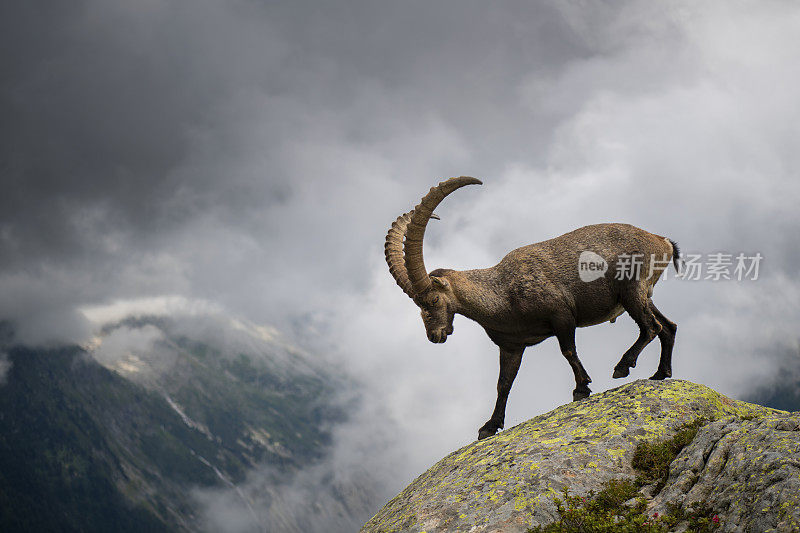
x: 175, y: 140
x: 100, y: 105
x: 104, y: 104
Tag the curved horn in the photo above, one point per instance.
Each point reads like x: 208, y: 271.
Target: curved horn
x: 393, y: 250
x: 415, y: 232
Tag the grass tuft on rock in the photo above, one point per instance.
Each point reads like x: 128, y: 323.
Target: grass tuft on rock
x: 620, y: 507
x: 652, y: 458
x: 603, y: 511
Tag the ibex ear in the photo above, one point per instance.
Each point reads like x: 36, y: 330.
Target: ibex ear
x: 440, y: 282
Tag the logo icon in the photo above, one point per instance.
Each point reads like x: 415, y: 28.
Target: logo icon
x: 591, y: 266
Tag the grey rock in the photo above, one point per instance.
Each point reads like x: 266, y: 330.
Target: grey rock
x: 748, y: 471
x: 744, y: 464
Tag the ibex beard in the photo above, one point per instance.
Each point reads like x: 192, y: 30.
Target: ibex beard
x: 536, y: 292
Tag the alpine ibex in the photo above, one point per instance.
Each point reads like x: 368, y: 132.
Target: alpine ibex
x: 537, y: 291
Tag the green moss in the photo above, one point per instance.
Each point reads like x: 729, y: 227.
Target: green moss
x: 700, y: 517
x: 619, y: 507
x: 652, y: 458
x: 605, y: 511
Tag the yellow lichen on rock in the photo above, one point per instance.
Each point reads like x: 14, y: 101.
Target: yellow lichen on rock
x: 508, y: 482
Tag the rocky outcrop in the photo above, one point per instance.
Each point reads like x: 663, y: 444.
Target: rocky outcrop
x: 748, y: 471
x: 744, y: 463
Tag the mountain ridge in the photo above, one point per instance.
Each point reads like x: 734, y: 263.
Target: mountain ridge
x: 162, y: 422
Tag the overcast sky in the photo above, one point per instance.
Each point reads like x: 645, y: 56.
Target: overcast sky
x: 253, y: 154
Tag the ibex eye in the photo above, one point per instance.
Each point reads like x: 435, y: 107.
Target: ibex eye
x: 435, y: 299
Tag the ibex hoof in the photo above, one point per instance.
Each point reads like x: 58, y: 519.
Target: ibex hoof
x: 485, y: 432
x: 578, y: 395
x: 621, y: 372
x: 659, y: 375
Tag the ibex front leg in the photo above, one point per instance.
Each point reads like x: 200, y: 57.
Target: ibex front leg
x: 565, y: 333
x: 509, y: 365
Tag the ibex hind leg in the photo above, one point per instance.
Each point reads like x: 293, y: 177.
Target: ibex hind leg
x: 635, y: 301
x: 667, y: 339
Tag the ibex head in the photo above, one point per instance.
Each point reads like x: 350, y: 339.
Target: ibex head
x: 431, y: 292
